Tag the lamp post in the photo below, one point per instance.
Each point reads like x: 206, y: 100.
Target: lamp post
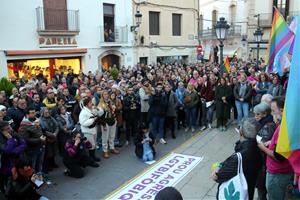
x: 138, y: 17
x: 221, y: 31
x: 258, y: 38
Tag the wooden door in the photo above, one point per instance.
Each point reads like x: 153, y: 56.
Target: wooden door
x: 55, y: 14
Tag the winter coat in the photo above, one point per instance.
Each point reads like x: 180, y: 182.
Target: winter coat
x: 207, y: 92
x: 17, y: 114
x: 172, y: 104
x: 180, y: 96
x: 252, y: 162
x: 139, y: 149
x: 129, y: 112
x: 223, y: 109
x: 21, y: 188
x: 262, y: 87
x: 275, y: 90
x: 194, y: 99
x: 158, y: 104
x: 64, y: 135
x: 10, y: 150
x: 144, y: 100
x: 248, y: 94
x: 88, y: 122
x: 31, y: 133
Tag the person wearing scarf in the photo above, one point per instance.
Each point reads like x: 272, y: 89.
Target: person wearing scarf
x: 50, y: 129
x: 108, y: 127
x: 88, y: 119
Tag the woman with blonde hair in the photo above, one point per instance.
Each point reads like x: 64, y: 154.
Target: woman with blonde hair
x: 191, y: 100
x: 108, y: 127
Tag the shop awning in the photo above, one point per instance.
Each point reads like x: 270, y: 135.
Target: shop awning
x: 45, y: 52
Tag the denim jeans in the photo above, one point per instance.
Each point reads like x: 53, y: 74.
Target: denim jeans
x: 276, y: 185
x: 157, y: 126
x: 242, y: 109
x: 207, y: 114
x: 37, y: 157
x: 190, y: 115
x: 148, y: 154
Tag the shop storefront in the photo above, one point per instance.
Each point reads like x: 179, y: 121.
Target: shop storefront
x: 39, y: 62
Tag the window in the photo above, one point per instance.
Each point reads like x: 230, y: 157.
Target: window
x: 214, y: 18
x: 154, y: 23
x: 232, y: 11
x: 176, y: 21
x: 282, y: 6
x: 201, y: 22
x: 109, y: 22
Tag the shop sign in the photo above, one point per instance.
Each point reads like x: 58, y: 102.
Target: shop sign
x: 57, y: 42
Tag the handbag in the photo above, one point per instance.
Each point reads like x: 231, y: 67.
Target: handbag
x: 235, y: 188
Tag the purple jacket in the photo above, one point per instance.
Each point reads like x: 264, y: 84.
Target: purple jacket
x: 10, y: 148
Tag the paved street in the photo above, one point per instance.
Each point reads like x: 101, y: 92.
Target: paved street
x: 114, y: 172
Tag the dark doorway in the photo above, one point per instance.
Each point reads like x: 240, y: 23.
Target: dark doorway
x: 55, y: 15
x: 109, y: 61
x: 109, y: 22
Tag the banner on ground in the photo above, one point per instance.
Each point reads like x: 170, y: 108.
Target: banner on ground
x: 168, y: 172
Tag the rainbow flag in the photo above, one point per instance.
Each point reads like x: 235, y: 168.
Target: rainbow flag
x: 280, y: 36
x: 227, y: 64
x: 288, y: 143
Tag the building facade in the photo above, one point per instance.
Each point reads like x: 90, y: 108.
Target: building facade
x: 48, y: 35
x: 167, y: 32
x: 261, y: 14
x: 235, y: 13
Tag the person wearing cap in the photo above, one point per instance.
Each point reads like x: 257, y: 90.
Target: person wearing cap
x: 252, y: 159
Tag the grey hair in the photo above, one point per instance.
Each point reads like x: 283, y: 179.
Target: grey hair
x: 267, y: 98
x: 249, y: 128
x: 261, y: 108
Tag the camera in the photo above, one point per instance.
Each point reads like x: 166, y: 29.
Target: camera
x: 83, y: 139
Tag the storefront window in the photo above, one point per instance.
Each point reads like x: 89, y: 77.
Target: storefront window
x: 18, y: 68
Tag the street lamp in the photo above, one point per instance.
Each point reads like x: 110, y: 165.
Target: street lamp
x: 221, y: 31
x: 138, y: 17
x: 258, y: 38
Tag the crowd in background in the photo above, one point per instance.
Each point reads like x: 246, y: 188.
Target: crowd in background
x: 73, y: 115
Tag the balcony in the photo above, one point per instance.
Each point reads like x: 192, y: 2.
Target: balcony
x: 233, y: 31
x: 265, y: 20
x: 113, y: 37
x: 57, y: 22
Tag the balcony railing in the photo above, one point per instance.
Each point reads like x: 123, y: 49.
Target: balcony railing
x: 57, y: 21
x: 113, y: 36
x: 233, y: 31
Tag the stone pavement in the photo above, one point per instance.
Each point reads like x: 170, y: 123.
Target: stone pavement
x: 214, y: 146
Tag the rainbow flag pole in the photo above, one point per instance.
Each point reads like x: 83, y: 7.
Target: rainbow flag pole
x: 288, y: 143
x: 280, y: 37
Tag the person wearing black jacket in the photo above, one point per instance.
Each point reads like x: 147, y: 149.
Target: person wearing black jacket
x: 21, y: 184
x: 140, y: 142
x: 157, y: 112
x: 131, y: 109
x: 252, y: 159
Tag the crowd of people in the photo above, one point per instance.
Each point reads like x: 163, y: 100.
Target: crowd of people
x: 73, y: 115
